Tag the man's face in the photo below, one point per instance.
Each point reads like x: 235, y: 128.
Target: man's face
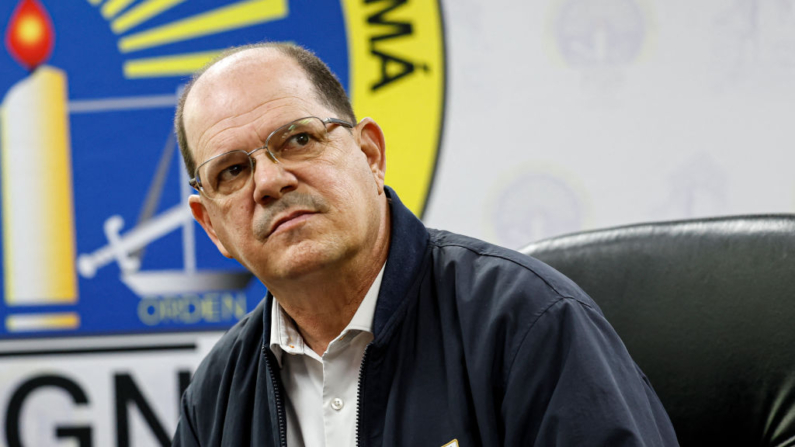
x: 290, y: 220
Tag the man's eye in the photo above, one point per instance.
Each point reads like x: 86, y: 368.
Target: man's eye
x: 299, y: 144
x: 230, y: 173
x: 301, y: 139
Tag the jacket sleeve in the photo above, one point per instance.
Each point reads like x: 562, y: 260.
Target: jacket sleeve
x: 573, y: 383
x: 185, y: 435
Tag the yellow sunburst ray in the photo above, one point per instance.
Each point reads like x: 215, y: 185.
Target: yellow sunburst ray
x: 175, y: 65
x: 142, y: 13
x: 113, y: 7
x: 235, y: 16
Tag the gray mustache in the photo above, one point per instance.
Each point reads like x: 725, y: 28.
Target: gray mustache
x: 290, y: 200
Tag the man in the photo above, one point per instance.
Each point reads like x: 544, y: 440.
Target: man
x: 376, y: 331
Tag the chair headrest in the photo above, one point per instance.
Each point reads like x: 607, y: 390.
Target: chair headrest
x: 707, y: 309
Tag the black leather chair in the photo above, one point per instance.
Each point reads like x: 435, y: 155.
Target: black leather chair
x: 707, y: 309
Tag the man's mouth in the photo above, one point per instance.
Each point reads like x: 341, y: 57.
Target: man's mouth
x: 289, y: 220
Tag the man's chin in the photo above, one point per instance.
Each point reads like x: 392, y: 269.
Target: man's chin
x: 297, y: 262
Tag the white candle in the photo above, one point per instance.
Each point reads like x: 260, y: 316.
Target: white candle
x: 38, y: 211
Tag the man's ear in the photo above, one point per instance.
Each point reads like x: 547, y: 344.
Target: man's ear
x: 371, y: 140
x: 202, y: 216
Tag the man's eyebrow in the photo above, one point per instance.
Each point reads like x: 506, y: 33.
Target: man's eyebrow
x: 227, y: 146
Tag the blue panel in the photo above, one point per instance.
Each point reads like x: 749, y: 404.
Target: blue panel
x: 116, y: 154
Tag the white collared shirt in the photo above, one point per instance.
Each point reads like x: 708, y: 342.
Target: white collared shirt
x: 322, y: 391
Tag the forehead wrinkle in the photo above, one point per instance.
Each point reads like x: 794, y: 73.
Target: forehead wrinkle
x: 207, y: 140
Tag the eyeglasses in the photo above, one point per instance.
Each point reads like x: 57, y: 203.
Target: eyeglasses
x: 301, y: 140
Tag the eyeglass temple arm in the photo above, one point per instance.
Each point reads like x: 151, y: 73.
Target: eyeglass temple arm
x: 340, y: 122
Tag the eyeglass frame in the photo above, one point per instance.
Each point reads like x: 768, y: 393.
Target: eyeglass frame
x: 196, y: 182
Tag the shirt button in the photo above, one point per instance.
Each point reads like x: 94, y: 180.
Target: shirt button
x: 337, y: 404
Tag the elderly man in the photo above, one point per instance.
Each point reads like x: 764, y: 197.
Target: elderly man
x: 375, y: 330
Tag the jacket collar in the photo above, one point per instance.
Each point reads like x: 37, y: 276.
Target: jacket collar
x: 406, y: 249
x: 407, y: 243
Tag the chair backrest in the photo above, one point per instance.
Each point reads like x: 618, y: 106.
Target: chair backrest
x: 707, y: 309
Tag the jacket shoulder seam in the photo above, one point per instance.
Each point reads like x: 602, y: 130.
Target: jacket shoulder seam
x: 559, y: 300
x: 512, y: 261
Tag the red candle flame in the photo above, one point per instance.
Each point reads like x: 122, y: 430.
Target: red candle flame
x: 30, y: 35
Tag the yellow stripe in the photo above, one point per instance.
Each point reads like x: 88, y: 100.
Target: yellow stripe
x: 177, y: 65
x: 412, y: 131
x: 94, y: 2
x: 238, y: 15
x: 113, y: 7
x: 42, y: 322
x: 142, y: 13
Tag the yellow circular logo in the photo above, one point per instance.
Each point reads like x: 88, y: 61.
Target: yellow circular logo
x: 397, y: 77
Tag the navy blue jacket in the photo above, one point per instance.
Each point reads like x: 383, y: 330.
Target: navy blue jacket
x: 473, y: 342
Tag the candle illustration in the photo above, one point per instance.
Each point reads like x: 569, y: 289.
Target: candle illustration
x: 37, y: 198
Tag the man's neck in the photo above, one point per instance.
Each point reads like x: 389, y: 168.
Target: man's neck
x: 322, y: 304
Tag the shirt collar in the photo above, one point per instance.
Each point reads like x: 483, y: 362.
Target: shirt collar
x: 286, y: 338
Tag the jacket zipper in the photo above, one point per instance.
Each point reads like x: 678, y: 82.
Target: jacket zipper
x: 278, y: 397
x: 359, y: 397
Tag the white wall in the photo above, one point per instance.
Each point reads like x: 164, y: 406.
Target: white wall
x: 566, y: 115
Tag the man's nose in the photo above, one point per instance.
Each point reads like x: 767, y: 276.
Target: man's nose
x: 271, y: 177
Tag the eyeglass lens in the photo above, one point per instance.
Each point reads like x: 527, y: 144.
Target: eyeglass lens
x: 300, y: 140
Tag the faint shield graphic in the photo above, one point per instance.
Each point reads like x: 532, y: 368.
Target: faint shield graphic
x: 599, y: 38
x: 534, y: 206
